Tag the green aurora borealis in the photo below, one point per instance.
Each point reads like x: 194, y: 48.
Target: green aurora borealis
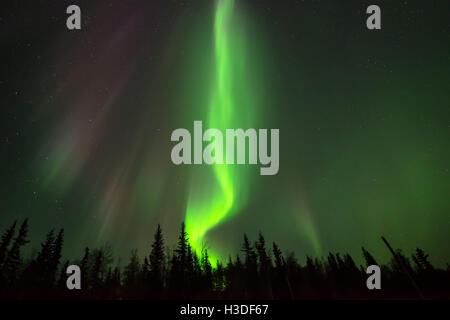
x: 213, y: 200
x: 364, y: 119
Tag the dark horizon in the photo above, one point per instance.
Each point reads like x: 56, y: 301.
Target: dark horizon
x: 259, y: 271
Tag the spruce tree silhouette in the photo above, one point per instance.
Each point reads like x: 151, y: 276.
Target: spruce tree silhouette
x: 420, y: 258
x: 6, y: 240
x: 40, y: 273
x: 157, y: 261
x: 370, y: 260
x: 265, y: 266
x: 250, y: 270
x: 56, y: 255
x: 132, y: 276
x: 13, y: 260
x: 178, y: 267
x: 182, y: 274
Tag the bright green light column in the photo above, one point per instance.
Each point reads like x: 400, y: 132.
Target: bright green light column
x: 221, y: 190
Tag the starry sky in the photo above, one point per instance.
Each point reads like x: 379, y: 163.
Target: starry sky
x: 364, y: 119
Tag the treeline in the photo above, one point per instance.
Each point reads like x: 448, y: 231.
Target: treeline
x: 259, y: 271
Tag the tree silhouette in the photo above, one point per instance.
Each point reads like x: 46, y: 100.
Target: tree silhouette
x: 183, y: 274
x: 132, y: 274
x: 370, y: 260
x: 6, y: 240
x: 420, y: 258
x: 13, y: 261
x: 178, y: 266
x: 156, y: 267
x: 265, y: 266
x: 250, y: 269
x: 56, y: 254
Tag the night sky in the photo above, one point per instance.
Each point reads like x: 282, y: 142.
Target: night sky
x: 364, y: 119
